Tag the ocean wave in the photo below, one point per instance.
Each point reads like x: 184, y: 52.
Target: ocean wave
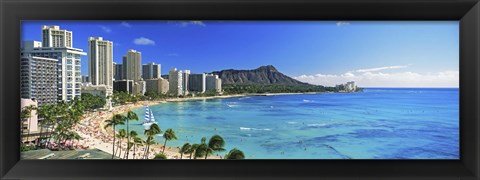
x: 248, y: 129
x: 306, y: 100
x: 416, y: 92
x: 317, y: 125
x: 232, y: 105
x: 292, y: 122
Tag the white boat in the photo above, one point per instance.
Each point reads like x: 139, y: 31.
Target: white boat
x: 149, y: 118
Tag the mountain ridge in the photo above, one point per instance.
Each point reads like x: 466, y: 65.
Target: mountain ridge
x: 262, y: 75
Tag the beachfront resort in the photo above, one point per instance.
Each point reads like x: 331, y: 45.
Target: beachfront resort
x: 65, y: 111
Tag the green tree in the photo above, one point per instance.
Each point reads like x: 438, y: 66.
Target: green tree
x: 201, y: 149
x: 137, y: 142
x: 46, y: 114
x: 130, y: 144
x: 184, y: 149
x: 154, y: 130
x: 215, y: 144
x: 160, y: 156
x: 122, y: 134
x: 130, y: 116
x: 235, y: 154
x: 116, y: 120
x: 192, y: 149
x: 168, y: 135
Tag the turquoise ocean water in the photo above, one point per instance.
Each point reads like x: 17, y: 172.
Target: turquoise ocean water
x: 386, y: 123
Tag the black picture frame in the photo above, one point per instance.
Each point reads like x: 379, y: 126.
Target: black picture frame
x: 12, y: 12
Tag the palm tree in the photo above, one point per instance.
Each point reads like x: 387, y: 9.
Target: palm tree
x: 235, y: 154
x: 192, y: 149
x: 116, y: 120
x: 122, y: 134
x: 215, y: 144
x: 168, y: 135
x: 185, y: 148
x: 150, y: 141
x: 132, y: 134
x: 201, y: 149
x: 130, y: 116
x: 47, y: 113
x: 154, y: 130
x: 137, y: 142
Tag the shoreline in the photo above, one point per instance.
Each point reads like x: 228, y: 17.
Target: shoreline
x: 92, y: 131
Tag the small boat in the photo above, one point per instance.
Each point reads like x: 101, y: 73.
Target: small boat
x: 149, y: 118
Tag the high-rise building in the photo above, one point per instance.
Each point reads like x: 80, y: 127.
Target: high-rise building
x: 213, y: 83
x: 68, y: 77
x: 159, y: 85
x: 123, y: 86
x: 175, y: 81
x: 53, y: 36
x: 185, y: 76
x: 151, y: 71
x: 119, y: 72
x: 100, y: 62
x: 38, y: 79
x: 218, y: 85
x: 114, y: 70
x: 132, y: 63
x: 139, y: 88
x: 85, y: 79
x: 197, y: 83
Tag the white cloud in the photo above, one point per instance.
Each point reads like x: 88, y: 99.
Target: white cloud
x: 125, y: 24
x: 343, y: 23
x: 106, y: 29
x: 382, y: 79
x: 188, y: 23
x: 380, y: 68
x: 143, y: 41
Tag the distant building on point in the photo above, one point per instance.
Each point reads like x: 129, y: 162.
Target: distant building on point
x: 347, y: 87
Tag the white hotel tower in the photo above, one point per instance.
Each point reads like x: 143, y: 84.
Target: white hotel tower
x: 53, y: 36
x: 175, y: 80
x: 57, y: 44
x: 100, y: 61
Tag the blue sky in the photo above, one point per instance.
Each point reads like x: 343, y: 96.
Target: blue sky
x: 376, y: 53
